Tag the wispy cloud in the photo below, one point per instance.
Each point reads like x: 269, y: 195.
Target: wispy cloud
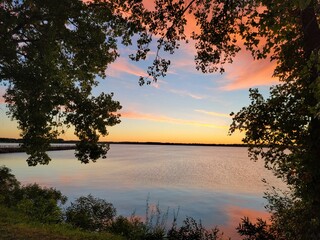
x: 162, y: 118
x: 246, y: 72
x: 121, y: 66
x: 187, y: 93
x: 216, y: 114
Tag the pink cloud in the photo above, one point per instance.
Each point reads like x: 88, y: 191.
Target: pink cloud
x: 161, y: 118
x: 2, y: 92
x: 245, y: 72
x: 121, y: 66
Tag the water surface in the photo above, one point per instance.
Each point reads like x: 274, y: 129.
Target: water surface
x: 218, y: 185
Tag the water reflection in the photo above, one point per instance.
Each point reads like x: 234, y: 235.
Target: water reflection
x: 215, y: 184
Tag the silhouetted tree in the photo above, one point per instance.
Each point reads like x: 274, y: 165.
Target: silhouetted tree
x: 51, y: 53
x: 284, y: 129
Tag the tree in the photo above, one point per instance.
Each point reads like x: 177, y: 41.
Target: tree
x: 8, y: 185
x: 192, y: 230
x: 51, y: 53
x: 284, y: 129
x: 38, y: 203
x: 41, y: 45
x: 90, y: 213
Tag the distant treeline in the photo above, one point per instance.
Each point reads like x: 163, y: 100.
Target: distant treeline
x: 60, y: 140
x: 182, y: 144
x: 19, y: 140
x: 10, y: 140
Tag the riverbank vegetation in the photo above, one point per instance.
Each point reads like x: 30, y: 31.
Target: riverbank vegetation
x: 50, y: 77
x: 35, y: 212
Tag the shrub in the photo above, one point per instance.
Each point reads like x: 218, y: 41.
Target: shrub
x: 8, y: 186
x: 131, y: 228
x: 90, y: 213
x: 41, y: 204
x: 252, y: 231
x: 156, y: 221
x: 191, y: 230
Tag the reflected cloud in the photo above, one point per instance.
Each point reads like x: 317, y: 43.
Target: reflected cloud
x: 236, y: 213
x: 162, y: 118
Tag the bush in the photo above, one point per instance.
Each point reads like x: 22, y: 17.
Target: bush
x: 156, y: 221
x: 132, y: 228
x: 90, y: 213
x: 191, y: 230
x: 8, y: 186
x: 253, y: 231
x: 41, y: 204
x: 94, y: 214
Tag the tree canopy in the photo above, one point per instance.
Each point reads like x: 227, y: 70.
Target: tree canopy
x: 51, y: 54
x: 284, y: 129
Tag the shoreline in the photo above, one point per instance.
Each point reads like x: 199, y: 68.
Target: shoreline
x: 19, y: 149
x: 60, y: 147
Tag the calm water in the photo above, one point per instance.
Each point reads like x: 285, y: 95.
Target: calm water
x: 218, y: 185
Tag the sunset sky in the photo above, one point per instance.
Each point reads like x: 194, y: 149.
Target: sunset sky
x: 186, y: 106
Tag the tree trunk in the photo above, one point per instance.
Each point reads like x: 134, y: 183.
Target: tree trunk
x: 311, y: 44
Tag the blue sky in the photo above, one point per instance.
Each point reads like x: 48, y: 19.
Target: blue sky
x: 185, y: 106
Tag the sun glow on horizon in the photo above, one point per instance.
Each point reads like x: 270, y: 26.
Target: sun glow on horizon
x: 184, y: 107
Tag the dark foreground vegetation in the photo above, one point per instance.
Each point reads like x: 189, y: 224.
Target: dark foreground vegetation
x: 35, y: 212
x: 49, y: 78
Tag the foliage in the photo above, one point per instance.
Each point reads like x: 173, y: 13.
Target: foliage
x: 192, y: 230
x: 18, y: 226
x: 259, y: 230
x: 32, y: 204
x: 51, y: 54
x: 284, y: 129
x: 41, y: 43
x: 8, y: 185
x: 156, y: 221
x: 292, y: 218
x: 90, y: 213
x: 39, y: 203
x: 131, y: 228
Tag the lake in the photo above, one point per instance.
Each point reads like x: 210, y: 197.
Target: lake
x: 218, y: 185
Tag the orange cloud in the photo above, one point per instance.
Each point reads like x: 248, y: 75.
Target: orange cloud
x: 216, y: 114
x: 2, y: 92
x: 159, y: 118
x: 245, y: 72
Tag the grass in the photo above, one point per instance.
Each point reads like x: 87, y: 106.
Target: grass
x: 15, y: 226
